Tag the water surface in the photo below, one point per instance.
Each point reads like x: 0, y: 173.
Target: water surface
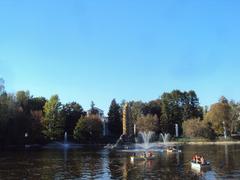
x: 99, y: 163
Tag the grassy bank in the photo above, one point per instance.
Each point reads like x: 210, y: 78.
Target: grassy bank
x: 219, y: 140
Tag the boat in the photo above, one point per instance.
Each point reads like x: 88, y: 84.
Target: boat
x: 173, y: 150
x: 142, y: 158
x: 198, y: 166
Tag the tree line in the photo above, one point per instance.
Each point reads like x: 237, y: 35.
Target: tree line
x: 181, y: 108
x: 37, y: 120
x: 25, y: 119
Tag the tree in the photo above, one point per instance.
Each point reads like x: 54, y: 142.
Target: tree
x: 218, y: 115
x: 148, y: 123
x: 223, y: 99
x: 176, y: 107
x: 93, y: 109
x: 136, y: 109
x: 22, y: 121
x: 235, y: 116
x: 88, y: 128
x: 53, y: 121
x: 7, y: 114
x: 198, y: 128
x: 72, y: 113
x: 22, y: 98
x: 153, y: 107
x: 114, y: 119
x: 37, y: 103
x: 172, y: 109
x: 191, y: 107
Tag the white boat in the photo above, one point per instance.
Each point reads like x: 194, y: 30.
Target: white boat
x: 142, y: 158
x: 173, y: 150
x: 198, y: 166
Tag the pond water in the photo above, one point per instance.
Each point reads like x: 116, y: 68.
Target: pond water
x: 99, y: 163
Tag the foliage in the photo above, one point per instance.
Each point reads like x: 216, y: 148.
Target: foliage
x: 235, y: 117
x: 136, y: 109
x: 197, y: 128
x: 93, y: 110
x: 153, y: 107
x: 148, y: 123
x: 176, y: 107
x: 218, y: 114
x: 114, y: 119
x: 53, y: 121
x: 72, y: 113
x: 7, y: 114
x: 22, y: 113
x: 37, y: 103
x: 17, y: 117
x: 88, y: 128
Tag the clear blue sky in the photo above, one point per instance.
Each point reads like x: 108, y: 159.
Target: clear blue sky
x: 98, y: 50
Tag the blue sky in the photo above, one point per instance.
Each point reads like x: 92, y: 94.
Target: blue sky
x: 87, y: 50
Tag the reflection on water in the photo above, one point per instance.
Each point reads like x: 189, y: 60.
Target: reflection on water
x: 98, y: 163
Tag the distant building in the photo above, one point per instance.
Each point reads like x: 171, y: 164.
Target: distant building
x: 104, y: 119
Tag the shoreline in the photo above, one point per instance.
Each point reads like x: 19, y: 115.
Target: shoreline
x: 205, y: 143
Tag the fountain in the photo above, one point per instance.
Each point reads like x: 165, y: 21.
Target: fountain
x: 165, y: 137
x: 146, y: 137
x: 147, y: 144
x: 62, y: 145
x: 65, y: 143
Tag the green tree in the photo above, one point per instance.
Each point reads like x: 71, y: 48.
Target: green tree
x: 218, y: 115
x: 72, y: 113
x: 88, y: 129
x: 22, y: 122
x: 7, y: 114
x: 136, y: 109
x: 37, y: 103
x: 93, y: 109
x: 114, y: 119
x: 153, y: 107
x: 53, y: 121
x: 191, y: 107
x: 172, y: 109
x: 176, y: 107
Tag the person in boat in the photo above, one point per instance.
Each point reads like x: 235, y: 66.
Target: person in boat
x: 202, y: 160
x: 198, y: 159
x: 149, y: 154
x: 194, y: 159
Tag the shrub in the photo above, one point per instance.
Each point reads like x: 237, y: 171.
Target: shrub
x: 88, y: 128
x: 198, y: 128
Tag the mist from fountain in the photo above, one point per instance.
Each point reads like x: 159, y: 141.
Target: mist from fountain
x: 146, y: 137
x: 148, y: 141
